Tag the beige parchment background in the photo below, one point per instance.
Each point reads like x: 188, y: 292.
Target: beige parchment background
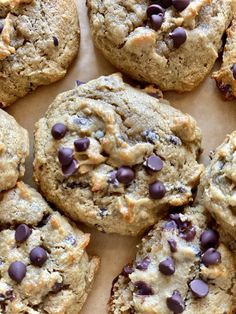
x: 215, y: 117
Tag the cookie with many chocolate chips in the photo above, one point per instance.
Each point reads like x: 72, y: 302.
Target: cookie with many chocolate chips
x: 173, y: 43
x: 14, y: 148
x: 226, y: 76
x: 38, y: 41
x: 112, y: 156
x: 219, y: 184
x: 43, y: 262
x: 181, y: 267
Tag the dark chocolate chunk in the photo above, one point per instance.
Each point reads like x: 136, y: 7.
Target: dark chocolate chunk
x: 234, y: 71
x: 125, y: 175
x: 180, y: 5
x: 173, y: 245
x: 155, y: 9
x: 22, y: 233
x: 211, y: 257
x: 143, y: 264
x: 156, y: 21
x: 176, y: 303
x: 179, y: 36
x: 141, y: 288
x: 154, y: 163
x: 17, y: 271
x: 199, y: 288
x: 209, y: 239
x: 58, y: 131
x: 70, y: 169
x: 82, y: 144
x: 157, y: 190
x: 38, y: 256
x: 167, y: 266
x: 55, y: 41
x: 65, y: 156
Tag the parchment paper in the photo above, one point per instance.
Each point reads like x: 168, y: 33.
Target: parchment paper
x: 215, y: 117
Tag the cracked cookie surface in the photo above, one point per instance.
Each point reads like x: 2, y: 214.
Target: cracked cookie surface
x: 14, y: 148
x: 171, y: 48
x: 44, y: 266
x: 181, y: 267
x: 218, y: 185
x: 38, y: 41
x: 111, y: 156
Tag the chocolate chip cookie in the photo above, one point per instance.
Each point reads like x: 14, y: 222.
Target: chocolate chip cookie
x: 181, y: 267
x: 114, y: 157
x: 226, y: 76
x: 218, y: 185
x: 173, y: 43
x: 14, y: 148
x: 43, y: 263
x: 38, y: 41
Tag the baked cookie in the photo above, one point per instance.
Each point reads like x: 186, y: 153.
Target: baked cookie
x: 226, y: 76
x: 180, y: 267
x: 112, y: 156
x: 14, y: 148
x: 171, y: 43
x: 44, y: 266
x: 218, y: 185
x: 38, y: 41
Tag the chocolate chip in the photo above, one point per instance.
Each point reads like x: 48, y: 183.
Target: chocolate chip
x: 209, y: 239
x: 176, y: 303
x: 127, y: 270
x: 150, y: 136
x: 70, y: 169
x: 156, y: 21
x: 173, y: 245
x: 166, y: 3
x: 175, y: 140
x: 155, y: 9
x: 78, y: 82
x: 17, y: 271
x: 154, y: 163
x: 167, y: 266
x: 112, y: 178
x: 125, y: 175
x: 211, y: 257
x: 186, y: 230
x: 55, y: 41
x: 1, y: 28
x: 199, y: 288
x: 141, y: 288
x: 179, y: 36
x: 22, y: 233
x: 65, y: 156
x: 82, y: 144
x: 38, y: 256
x: 143, y: 264
x: 103, y: 212
x: 58, y: 131
x: 57, y: 287
x: 234, y: 71
x: 180, y: 5
x: 157, y: 190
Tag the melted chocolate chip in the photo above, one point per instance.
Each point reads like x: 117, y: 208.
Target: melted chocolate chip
x: 179, y: 36
x: 199, y: 288
x: 180, y: 5
x: 82, y: 144
x: 22, y: 233
x: 157, y: 190
x: 143, y: 264
x: 167, y: 266
x: 17, y: 271
x: 156, y: 21
x: 211, y: 257
x: 70, y: 169
x: 71, y: 240
x: 55, y: 41
x: 154, y: 163
x: 234, y: 71
x: 176, y: 303
x: 65, y: 156
x: 186, y: 230
x: 173, y: 245
x: 125, y: 175
x: 58, y: 131
x: 155, y: 9
x: 141, y: 288
x: 127, y: 270
x: 169, y: 225
x: 38, y: 256
x: 209, y: 239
